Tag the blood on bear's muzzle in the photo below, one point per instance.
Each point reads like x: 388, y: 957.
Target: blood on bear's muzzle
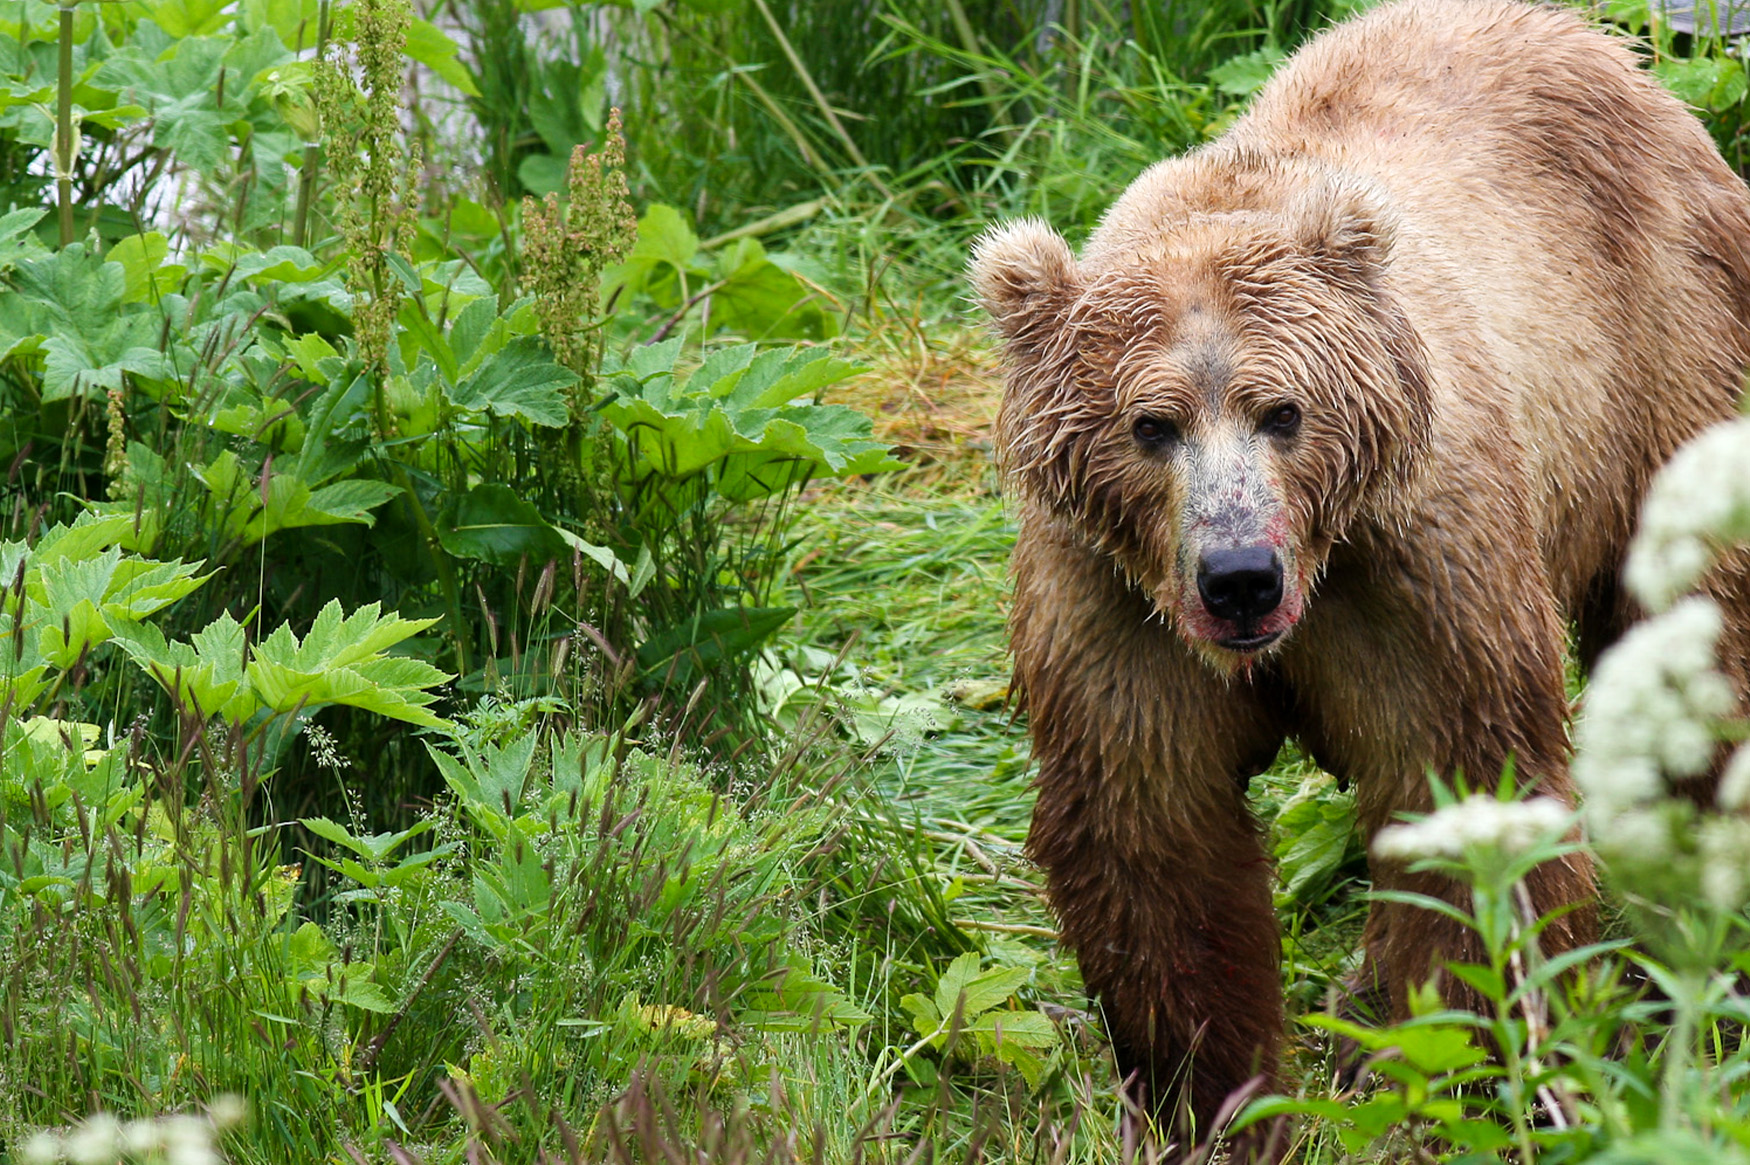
x: 1241, y: 585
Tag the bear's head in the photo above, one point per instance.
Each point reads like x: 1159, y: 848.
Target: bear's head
x: 1212, y: 396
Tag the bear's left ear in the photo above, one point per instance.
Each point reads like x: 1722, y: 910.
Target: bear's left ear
x: 1026, y: 278
x: 1346, y: 226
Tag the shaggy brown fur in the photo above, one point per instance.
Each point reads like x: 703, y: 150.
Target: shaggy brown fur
x: 1422, y: 326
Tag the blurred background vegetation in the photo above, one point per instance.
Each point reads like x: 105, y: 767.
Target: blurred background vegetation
x: 501, y: 643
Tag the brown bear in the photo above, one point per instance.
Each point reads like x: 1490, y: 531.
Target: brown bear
x: 1333, y: 429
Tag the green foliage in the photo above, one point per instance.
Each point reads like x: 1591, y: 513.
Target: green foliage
x: 738, y: 289
x: 967, y: 1005
x: 713, y: 845
x: 735, y: 422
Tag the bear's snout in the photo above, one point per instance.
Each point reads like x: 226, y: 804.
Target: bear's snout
x: 1241, y: 585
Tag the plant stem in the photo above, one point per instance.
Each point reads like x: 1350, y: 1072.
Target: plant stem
x: 64, y: 126
x: 306, y: 187
x: 1678, y: 1049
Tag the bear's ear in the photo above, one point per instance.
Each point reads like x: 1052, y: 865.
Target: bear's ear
x: 1026, y: 278
x: 1403, y: 424
x: 1344, y: 223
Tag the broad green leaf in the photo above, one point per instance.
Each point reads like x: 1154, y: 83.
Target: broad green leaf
x: 521, y: 380
x: 308, y: 352
x: 18, y: 235
x: 281, y: 264
x: 149, y: 277
x: 798, y: 1002
x: 76, y: 366
x: 491, y: 523
x: 80, y: 602
x: 489, y: 778
x: 351, y: 500
x: 1244, y: 75
x: 186, y: 17
x: 1025, y: 1029
x: 432, y: 47
x: 757, y: 298
x: 180, y: 90
x: 732, y: 418
x: 664, y: 249
x: 139, y: 587
x: 963, y: 985
x: 925, y: 1019
x: 206, y: 673
x: 293, y: 20
x: 565, y: 103
x: 1315, y: 832
x: 341, y: 660
x: 356, y: 991
x: 376, y: 847
x: 1706, y: 82
x: 961, y: 972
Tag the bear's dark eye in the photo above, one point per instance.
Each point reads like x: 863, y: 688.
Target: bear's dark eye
x: 1154, y: 432
x: 1281, y: 421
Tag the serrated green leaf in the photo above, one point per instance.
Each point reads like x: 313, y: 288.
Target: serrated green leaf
x: 925, y: 1019
x: 341, y: 661
x: 520, y: 380
x: 351, y: 500
x: 993, y: 987
x: 1023, y: 1029
x: 364, y: 995
x: 332, y: 831
x: 149, y: 277
x: 962, y: 971
x: 722, y: 420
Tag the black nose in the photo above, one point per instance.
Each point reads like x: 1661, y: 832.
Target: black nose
x: 1240, y: 585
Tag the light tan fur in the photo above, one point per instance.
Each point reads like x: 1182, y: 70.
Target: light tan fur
x: 1501, y: 275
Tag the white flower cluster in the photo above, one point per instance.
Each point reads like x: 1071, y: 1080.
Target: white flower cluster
x: 1476, y: 823
x: 102, y: 1139
x: 1652, y: 709
x: 1699, y: 502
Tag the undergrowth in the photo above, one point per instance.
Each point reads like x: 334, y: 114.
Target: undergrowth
x: 502, y: 602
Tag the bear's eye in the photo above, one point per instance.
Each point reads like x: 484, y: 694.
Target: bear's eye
x: 1154, y: 432
x: 1281, y: 421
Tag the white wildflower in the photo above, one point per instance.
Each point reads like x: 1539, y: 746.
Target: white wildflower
x: 1725, y: 841
x: 101, y: 1139
x: 228, y: 1111
x: 1643, y: 835
x: 1734, y: 795
x: 95, y: 1142
x: 1651, y: 709
x: 42, y: 1149
x: 1478, y: 822
x: 1698, y: 502
x: 187, y: 1140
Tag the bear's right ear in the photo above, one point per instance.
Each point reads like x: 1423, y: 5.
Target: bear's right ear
x: 1026, y: 278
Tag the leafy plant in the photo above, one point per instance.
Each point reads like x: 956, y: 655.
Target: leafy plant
x: 968, y: 1006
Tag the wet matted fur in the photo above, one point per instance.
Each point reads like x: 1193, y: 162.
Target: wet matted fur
x: 1416, y: 332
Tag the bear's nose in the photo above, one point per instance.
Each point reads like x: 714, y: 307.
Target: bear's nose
x: 1241, y: 585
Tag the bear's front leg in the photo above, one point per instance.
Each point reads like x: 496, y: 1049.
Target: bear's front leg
x: 1438, y: 649
x: 1155, y: 864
